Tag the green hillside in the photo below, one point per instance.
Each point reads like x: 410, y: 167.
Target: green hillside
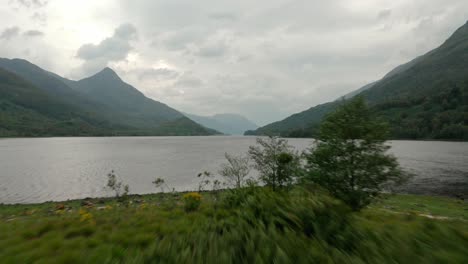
x: 127, y: 105
x: 25, y: 110
x: 39, y: 103
x: 426, y: 98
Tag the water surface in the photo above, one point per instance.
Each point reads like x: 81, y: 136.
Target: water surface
x: 43, y: 169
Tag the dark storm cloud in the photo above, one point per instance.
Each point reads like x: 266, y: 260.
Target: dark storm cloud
x: 10, y: 33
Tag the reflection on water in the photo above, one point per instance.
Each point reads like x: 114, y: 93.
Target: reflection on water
x: 42, y: 169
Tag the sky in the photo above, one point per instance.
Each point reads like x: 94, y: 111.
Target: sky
x: 264, y: 59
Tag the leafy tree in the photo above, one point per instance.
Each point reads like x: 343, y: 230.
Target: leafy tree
x: 276, y: 161
x: 235, y: 170
x: 349, y: 158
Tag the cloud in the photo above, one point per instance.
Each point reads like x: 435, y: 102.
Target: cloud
x: 33, y: 33
x: 111, y: 49
x: 10, y: 33
x: 383, y: 14
x: 223, y: 16
x: 181, y: 39
x: 264, y: 59
x: 39, y: 17
x: 157, y: 74
x: 215, y: 49
x: 188, y: 81
x: 125, y: 32
x: 31, y: 3
x: 267, y: 60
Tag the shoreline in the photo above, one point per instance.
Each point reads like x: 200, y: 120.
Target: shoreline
x: 217, y: 135
x: 180, y: 193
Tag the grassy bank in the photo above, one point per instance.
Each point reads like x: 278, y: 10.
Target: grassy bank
x: 260, y: 227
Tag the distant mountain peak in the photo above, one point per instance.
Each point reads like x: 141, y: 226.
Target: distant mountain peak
x: 107, y: 74
x: 108, y: 70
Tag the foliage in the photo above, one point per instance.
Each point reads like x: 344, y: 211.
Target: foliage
x: 235, y: 170
x: 276, y: 161
x: 118, y: 187
x: 86, y: 216
x: 349, y: 158
x: 191, y: 201
x: 264, y: 227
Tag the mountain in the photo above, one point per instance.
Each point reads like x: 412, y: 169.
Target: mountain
x: 230, y: 124
x: 103, y: 101
x: 52, y: 86
x: 426, y: 98
x: 26, y: 110
x: 358, y: 91
x: 133, y: 107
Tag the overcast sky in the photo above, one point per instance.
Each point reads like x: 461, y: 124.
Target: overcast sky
x: 264, y: 59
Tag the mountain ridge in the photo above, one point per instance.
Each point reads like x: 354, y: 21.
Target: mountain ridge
x: 103, y: 101
x: 425, y: 98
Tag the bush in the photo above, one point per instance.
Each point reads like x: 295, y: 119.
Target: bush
x: 235, y: 170
x: 192, y: 201
x: 276, y: 161
x: 118, y: 187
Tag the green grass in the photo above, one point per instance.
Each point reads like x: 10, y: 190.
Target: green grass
x: 251, y: 227
x: 437, y: 206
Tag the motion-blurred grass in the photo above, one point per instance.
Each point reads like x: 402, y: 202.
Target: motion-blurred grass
x: 248, y: 226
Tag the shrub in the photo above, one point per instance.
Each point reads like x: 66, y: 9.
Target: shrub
x: 276, y: 161
x: 161, y: 183
x: 117, y: 186
x: 207, y: 179
x: 192, y: 201
x: 235, y: 170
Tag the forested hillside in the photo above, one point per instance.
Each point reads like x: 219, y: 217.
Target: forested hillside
x: 26, y: 110
x: 426, y: 98
x: 35, y: 102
